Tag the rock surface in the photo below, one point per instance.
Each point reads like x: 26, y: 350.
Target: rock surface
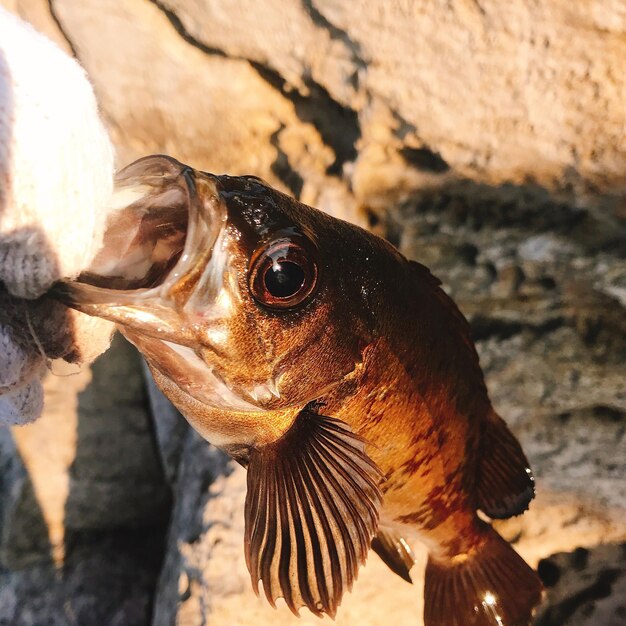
x: 486, y: 140
x: 585, y: 587
x: 83, y: 501
x: 350, y: 105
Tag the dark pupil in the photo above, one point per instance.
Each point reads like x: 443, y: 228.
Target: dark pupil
x: 284, y: 279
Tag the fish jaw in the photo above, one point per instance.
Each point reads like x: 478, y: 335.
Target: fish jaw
x: 127, y: 310
x: 220, y: 414
x: 153, y: 197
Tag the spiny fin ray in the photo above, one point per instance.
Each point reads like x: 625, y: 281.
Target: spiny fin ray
x: 394, y: 552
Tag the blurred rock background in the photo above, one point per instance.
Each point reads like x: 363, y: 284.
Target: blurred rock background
x: 486, y: 140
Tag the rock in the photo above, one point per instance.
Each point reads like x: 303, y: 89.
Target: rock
x: 205, y: 543
x: 35, y: 484
x: 41, y: 15
x: 585, y: 587
x: 169, y: 425
x: 344, y: 111
x: 550, y: 342
x: 108, y: 579
x: 83, y: 501
x: 214, y: 112
x: 23, y: 532
x: 114, y: 425
x: 435, y: 80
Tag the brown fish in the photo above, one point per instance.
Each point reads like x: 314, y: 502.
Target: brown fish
x: 335, y: 370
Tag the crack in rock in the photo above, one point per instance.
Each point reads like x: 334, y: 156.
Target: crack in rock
x: 62, y: 30
x: 337, y: 34
x: 282, y: 168
x: 337, y: 125
x: 425, y: 159
x: 179, y: 27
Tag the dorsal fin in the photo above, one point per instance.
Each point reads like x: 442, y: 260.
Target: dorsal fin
x: 454, y: 317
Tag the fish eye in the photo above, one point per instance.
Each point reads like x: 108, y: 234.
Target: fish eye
x: 283, y: 274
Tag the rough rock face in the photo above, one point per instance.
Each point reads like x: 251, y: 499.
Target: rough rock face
x: 83, y: 501
x: 485, y: 139
x: 585, y: 587
x: 354, y: 104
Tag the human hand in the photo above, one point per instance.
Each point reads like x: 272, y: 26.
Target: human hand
x: 56, y: 173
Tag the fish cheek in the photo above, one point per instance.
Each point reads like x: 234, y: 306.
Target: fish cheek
x: 318, y: 368
x: 288, y: 357
x: 252, y: 350
x: 319, y: 352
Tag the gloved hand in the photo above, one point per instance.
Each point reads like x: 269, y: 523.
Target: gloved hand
x: 56, y: 173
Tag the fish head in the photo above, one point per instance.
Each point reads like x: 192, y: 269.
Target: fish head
x: 237, y: 294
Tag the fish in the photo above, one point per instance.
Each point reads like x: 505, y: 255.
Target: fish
x: 336, y: 371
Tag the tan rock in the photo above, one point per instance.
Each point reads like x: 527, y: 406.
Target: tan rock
x: 498, y: 93
x: 89, y: 463
x: 46, y: 449
x: 40, y: 14
x: 323, y: 97
x: 83, y: 500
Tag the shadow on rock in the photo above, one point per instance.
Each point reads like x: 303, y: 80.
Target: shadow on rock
x: 84, y: 504
x: 118, y: 506
x: 586, y: 587
x: 23, y: 532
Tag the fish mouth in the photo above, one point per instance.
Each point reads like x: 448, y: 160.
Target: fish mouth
x: 159, y: 238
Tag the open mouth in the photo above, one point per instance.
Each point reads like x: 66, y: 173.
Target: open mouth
x: 158, y: 241
x: 148, y: 227
x: 161, y: 229
x: 140, y: 248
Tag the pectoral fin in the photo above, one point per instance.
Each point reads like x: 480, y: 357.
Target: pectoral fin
x: 395, y: 553
x: 311, y: 513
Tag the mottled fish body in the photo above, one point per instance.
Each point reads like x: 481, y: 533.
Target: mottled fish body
x: 334, y: 369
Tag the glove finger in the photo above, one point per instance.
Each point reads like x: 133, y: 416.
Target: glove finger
x: 22, y: 406
x: 49, y: 327
x: 18, y: 363
x: 91, y: 336
x: 68, y: 334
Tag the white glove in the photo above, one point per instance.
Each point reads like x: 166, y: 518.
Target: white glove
x: 56, y: 173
